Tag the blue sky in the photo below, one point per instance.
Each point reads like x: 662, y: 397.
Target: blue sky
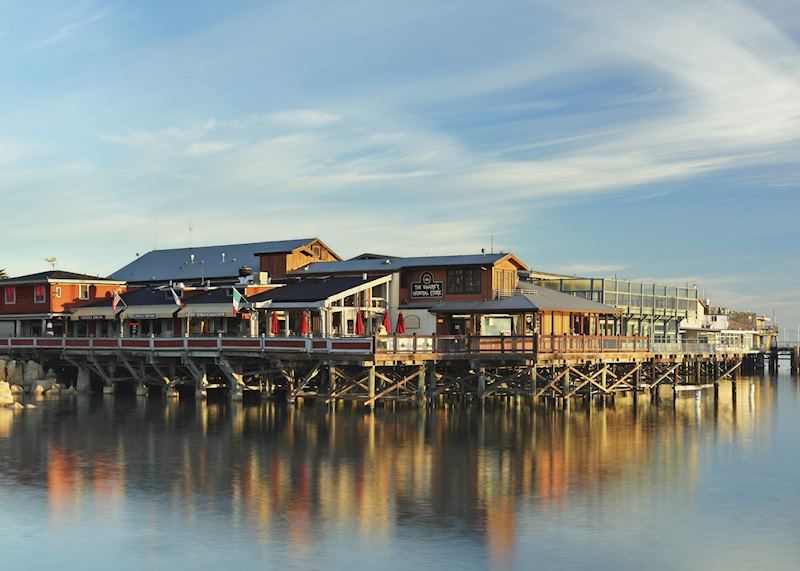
x: 645, y: 140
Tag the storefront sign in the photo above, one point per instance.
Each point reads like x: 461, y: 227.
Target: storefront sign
x: 145, y: 316
x: 426, y: 287
x: 209, y: 314
x: 92, y: 317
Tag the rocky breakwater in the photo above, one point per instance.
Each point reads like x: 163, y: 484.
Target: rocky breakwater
x: 17, y: 377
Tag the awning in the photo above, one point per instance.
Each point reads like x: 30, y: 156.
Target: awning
x: 92, y: 313
x: 207, y: 310
x: 150, y: 312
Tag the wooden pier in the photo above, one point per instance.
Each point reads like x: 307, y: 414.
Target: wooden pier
x: 383, y: 368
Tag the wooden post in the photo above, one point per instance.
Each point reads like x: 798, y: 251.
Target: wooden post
x: 421, y: 381
x: 371, y: 386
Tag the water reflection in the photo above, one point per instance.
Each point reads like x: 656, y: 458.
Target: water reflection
x: 300, y: 476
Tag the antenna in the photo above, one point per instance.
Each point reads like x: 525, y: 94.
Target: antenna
x: 491, y: 237
x: 51, y: 261
x: 190, y: 233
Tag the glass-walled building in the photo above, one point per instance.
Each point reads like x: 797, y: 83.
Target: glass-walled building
x: 650, y: 309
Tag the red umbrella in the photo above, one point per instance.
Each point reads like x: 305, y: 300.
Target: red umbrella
x: 359, y: 324
x: 273, y: 328
x: 304, y: 324
x: 401, y: 325
x: 387, y: 322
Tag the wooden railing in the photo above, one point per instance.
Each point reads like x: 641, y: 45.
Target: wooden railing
x: 359, y: 345
x: 499, y: 344
x: 367, y: 346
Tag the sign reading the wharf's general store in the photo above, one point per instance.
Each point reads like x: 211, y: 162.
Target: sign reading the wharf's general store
x: 426, y: 287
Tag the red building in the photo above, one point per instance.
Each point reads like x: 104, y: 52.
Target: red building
x: 39, y: 304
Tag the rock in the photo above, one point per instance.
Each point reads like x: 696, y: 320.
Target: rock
x: 71, y: 391
x: 29, y: 405
x: 17, y: 390
x: 6, y: 397
x: 14, y: 372
x: 15, y: 405
x: 40, y: 388
x: 2, y: 370
x: 33, y: 371
x: 51, y: 374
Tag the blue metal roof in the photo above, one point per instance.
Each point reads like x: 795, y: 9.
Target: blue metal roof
x: 395, y: 263
x: 186, y: 264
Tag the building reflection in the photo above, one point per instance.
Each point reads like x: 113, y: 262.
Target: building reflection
x: 292, y: 474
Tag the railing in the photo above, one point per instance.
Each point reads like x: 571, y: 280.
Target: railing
x: 500, y: 344
x: 385, y: 344
x: 695, y: 347
x: 359, y: 345
x: 593, y: 344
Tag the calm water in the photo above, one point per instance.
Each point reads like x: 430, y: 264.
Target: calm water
x: 126, y: 483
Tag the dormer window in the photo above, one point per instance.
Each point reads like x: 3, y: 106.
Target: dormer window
x: 83, y: 291
x: 10, y: 295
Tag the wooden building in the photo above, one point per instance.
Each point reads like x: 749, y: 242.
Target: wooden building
x: 418, y: 283
x: 39, y: 304
x: 278, y: 262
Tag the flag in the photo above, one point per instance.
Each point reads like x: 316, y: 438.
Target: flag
x: 116, y: 301
x: 237, y: 301
x: 178, y: 301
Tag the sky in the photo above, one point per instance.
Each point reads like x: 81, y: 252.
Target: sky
x: 647, y: 140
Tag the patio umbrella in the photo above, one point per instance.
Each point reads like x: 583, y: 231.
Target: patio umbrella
x: 401, y: 325
x: 274, y: 328
x: 304, y: 323
x: 359, y: 324
x: 387, y: 322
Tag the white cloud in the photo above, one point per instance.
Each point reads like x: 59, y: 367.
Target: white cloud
x: 304, y: 118
x: 208, y: 148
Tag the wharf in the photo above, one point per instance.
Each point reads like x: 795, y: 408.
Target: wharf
x: 392, y: 367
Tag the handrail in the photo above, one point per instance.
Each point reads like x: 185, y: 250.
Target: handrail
x: 359, y: 345
x: 381, y: 344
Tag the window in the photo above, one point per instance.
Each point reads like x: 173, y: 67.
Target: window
x: 11, y: 295
x: 38, y: 293
x: 464, y: 281
x: 83, y: 291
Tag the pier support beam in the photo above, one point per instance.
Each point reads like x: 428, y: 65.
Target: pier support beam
x: 83, y: 383
x: 198, y: 373
x: 235, y: 379
x: 371, y: 386
x: 422, y: 380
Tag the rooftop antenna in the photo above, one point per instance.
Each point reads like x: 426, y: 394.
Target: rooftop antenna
x: 491, y: 237
x: 51, y: 261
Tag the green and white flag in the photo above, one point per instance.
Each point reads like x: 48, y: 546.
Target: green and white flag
x: 237, y: 301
